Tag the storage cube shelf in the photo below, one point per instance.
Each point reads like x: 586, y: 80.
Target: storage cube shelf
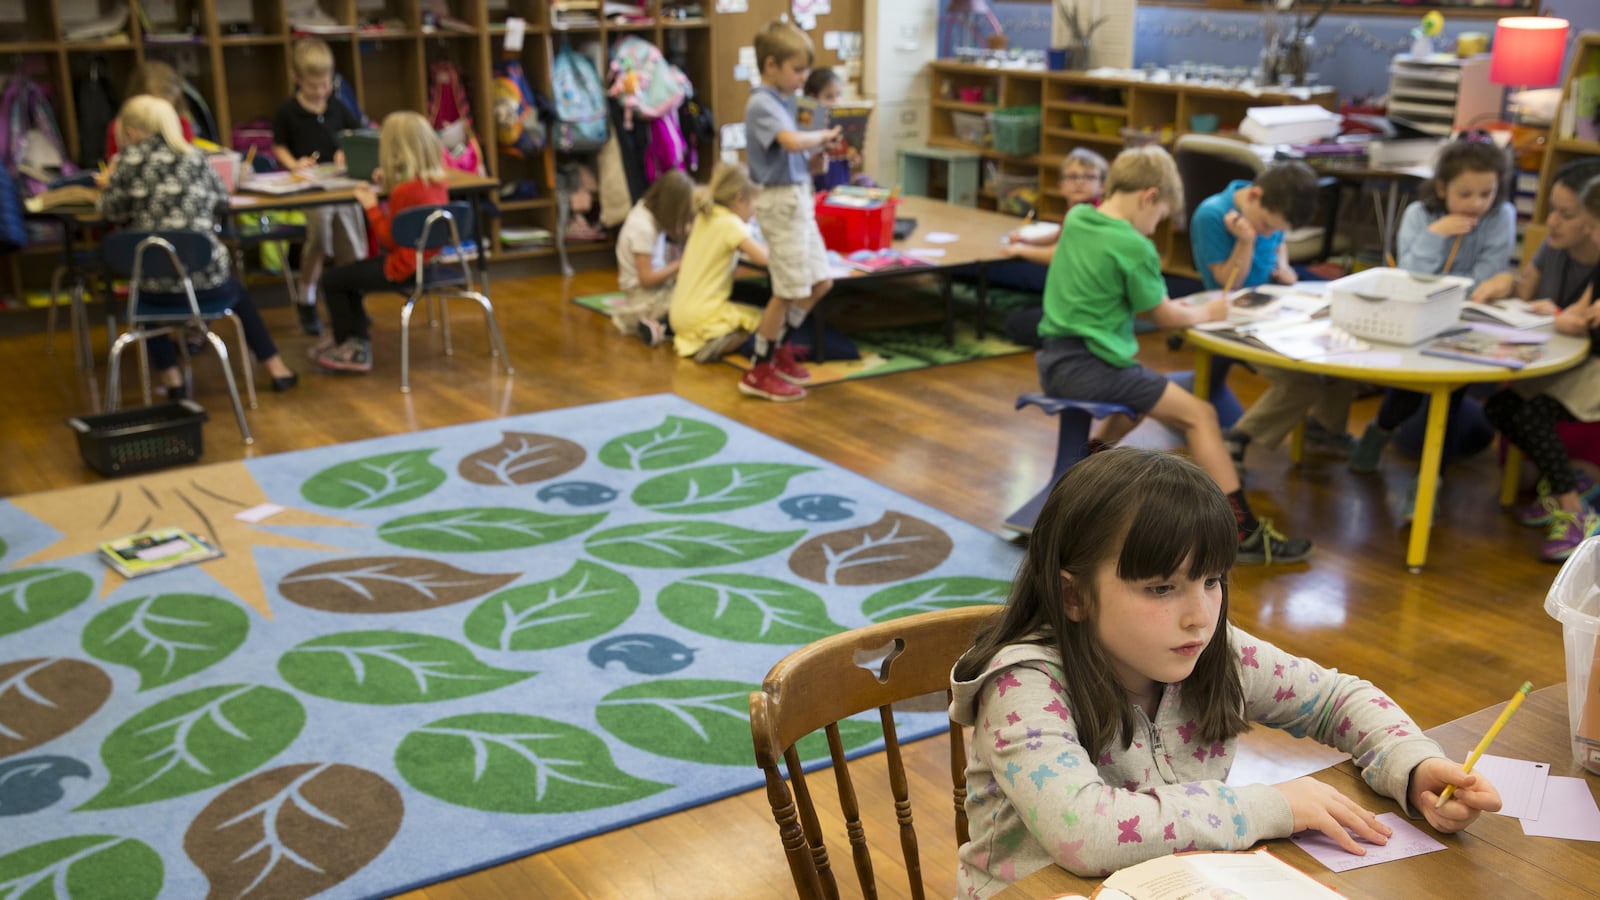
x: 1564, y: 145
x: 1079, y: 110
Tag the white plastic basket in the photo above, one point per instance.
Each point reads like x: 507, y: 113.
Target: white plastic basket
x: 1395, y: 306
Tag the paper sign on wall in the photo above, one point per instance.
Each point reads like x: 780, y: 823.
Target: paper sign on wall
x: 733, y: 6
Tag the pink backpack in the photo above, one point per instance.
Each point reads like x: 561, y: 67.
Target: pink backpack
x: 447, y: 96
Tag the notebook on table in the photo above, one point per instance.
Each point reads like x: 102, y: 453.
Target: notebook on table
x: 360, y: 153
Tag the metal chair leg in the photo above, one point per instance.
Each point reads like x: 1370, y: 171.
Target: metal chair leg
x: 221, y: 349
x: 246, y: 361
x: 114, y: 373
x: 144, y: 368
x: 405, y: 345
x: 444, y: 316
x: 50, y: 320
x: 497, y: 344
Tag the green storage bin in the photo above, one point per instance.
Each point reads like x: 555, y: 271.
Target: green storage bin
x: 1015, y: 130
x: 360, y: 153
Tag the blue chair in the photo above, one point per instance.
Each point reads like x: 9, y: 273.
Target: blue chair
x: 1075, y: 418
x: 169, y: 254
x: 426, y: 228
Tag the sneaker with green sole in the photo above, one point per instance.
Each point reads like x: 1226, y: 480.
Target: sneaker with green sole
x: 1267, y: 546
x: 1567, y: 531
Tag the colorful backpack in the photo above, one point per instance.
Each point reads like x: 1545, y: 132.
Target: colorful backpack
x: 645, y: 81
x: 447, y: 96
x: 255, y: 133
x: 519, y: 112
x: 580, y: 100
x: 31, y: 148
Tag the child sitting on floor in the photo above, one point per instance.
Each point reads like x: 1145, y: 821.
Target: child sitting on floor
x: 706, y: 323
x: 649, y: 248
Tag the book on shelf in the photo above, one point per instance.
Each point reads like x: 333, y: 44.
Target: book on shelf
x: 1511, y: 313
x: 70, y: 197
x: 148, y: 552
x: 1487, y: 344
x: 1251, y: 875
x: 883, y: 260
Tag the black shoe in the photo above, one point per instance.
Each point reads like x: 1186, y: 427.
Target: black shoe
x: 279, y: 385
x: 309, y: 322
x: 1266, y: 546
x: 173, y: 391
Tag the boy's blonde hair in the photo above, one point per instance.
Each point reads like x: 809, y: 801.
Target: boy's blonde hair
x: 730, y: 182
x: 1085, y: 158
x: 151, y: 115
x: 158, y: 79
x: 408, y: 148
x: 782, y: 41
x: 312, y: 58
x: 1143, y: 168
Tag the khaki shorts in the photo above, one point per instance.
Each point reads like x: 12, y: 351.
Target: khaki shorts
x: 337, y: 231
x: 796, y: 258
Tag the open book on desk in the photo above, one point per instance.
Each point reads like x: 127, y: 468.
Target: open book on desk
x: 1513, y: 313
x: 71, y: 198
x: 1252, y: 875
x: 1296, y: 338
x: 883, y: 260
x: 320, y: 178
x: 1491, y: 345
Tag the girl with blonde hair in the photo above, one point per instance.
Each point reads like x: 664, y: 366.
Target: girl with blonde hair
x: 411, y: 159
x: 162, y: 183
x: 706, y: 323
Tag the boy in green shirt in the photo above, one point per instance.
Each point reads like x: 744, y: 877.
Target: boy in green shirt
x: 1106, y: 271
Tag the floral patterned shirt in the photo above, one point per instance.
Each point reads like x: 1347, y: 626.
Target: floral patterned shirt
x: 155, y: 188
x: 1035, y: 796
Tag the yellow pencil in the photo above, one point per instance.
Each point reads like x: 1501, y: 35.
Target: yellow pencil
x: 1516, y: 701
x: 1451, y: 259
x: 249, y: 157
x: 1228, y: 285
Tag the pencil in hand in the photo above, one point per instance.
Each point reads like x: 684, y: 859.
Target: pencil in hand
x: 1505, y: 716
x: 1451, y: 259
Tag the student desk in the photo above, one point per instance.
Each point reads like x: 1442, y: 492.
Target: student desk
x: 1492, y: 858
x: 474, y: 188
x: 1431, y: 375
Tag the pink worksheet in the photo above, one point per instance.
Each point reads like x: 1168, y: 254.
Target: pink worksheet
x: 1407, y: 840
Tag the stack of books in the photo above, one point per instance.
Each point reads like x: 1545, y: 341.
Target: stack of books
x: 574, y: 13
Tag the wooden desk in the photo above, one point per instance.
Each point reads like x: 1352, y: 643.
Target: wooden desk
x: 1492, y: 858
x: 1431, y: 375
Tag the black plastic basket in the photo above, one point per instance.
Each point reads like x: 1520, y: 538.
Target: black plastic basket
x: 140, y: 439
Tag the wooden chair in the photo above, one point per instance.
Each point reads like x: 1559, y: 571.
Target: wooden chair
x: 821, y: 683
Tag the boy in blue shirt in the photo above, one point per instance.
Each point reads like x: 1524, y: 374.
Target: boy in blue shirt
x: 1104, y: 272
x: 779, y: 155
x: 1237, y: 236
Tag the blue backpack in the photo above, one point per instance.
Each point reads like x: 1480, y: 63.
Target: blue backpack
x: 580, y: 98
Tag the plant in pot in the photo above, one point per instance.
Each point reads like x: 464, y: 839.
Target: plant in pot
x: 1287, y: 54
x: 1076, y: 53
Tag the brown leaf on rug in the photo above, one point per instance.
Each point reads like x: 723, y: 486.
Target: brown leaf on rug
x: 294, y: 831
x: 49, y: 697
x: 894, y: 548
x: 386, y: 584
x: 522, y: 459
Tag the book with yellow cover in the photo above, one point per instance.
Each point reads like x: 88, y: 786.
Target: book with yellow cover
x: 148, y: 552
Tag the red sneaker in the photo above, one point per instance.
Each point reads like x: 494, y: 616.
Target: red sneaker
x: 766, y: 382
x: 787, y: 367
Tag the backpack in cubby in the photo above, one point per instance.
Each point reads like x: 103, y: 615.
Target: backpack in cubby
x: 580, y: 101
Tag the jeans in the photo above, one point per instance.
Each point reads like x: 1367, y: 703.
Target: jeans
x: 344, y: 286
x: 230, y: 293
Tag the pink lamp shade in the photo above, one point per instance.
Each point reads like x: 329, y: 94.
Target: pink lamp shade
x: 1527, y: 51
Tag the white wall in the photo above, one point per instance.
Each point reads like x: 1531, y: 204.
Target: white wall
x: 899, y: 39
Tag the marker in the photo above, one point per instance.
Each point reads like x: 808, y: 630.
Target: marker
x: 1516, y: 701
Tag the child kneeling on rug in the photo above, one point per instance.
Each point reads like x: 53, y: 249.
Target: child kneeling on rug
x: 411, y: 158
x: 706, y: 323
x: 649, y: 250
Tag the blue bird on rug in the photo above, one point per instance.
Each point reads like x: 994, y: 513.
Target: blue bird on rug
x: 29, y: 785
x: 818, y: 507
x: 578, y: 493
x: 646, y: 654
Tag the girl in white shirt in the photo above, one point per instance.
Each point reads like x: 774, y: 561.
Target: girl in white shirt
x: 649, y: 248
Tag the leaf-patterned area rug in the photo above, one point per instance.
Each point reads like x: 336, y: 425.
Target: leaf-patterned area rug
x: 448, y: 648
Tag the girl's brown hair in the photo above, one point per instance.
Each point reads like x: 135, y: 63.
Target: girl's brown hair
x: 670, y: 201
x: 1150, y: 513
x: 159, y: 79
x: 1459, y: 157
x: 729, y: 183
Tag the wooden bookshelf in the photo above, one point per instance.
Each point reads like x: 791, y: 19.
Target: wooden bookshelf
x: 1567, y: 141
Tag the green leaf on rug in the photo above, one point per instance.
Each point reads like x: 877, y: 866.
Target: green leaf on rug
x: 934, y: 593
x: 483, y: 528
x: 293, y: 831
x: 522, y: 458
x: 390, y: 668
x: 586, y: 602
x: 195, y: 741
x: 506, y: 762
x: 716, y: 488
x: 31, y: 596
x: 747, y: 608
x: 86, y: 865
x: 677, y: 441
x: 44, y: 698
x: 700, y: 720
x: 382, y: 480
x: 168, y: 636
x: 894, y: 548
x: 686, y: 544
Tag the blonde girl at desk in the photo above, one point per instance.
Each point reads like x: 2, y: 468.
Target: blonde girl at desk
x: 163, y: 183
x: 1463, y: 226
x: 1106, y: 700
x: 1527, y: 412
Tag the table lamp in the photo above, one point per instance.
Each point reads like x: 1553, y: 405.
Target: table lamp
x: 1527, y: 52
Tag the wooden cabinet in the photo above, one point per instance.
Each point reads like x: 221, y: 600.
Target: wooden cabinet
x: 237, y: 53
x: 1078, y: 110
x: 1573, y: 133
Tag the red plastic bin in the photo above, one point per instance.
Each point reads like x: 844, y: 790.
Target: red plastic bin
x: 847, y: 229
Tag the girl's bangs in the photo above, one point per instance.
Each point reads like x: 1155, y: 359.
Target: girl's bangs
x: 1171, y: 526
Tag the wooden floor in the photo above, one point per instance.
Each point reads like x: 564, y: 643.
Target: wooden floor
x: 1458, y: 637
